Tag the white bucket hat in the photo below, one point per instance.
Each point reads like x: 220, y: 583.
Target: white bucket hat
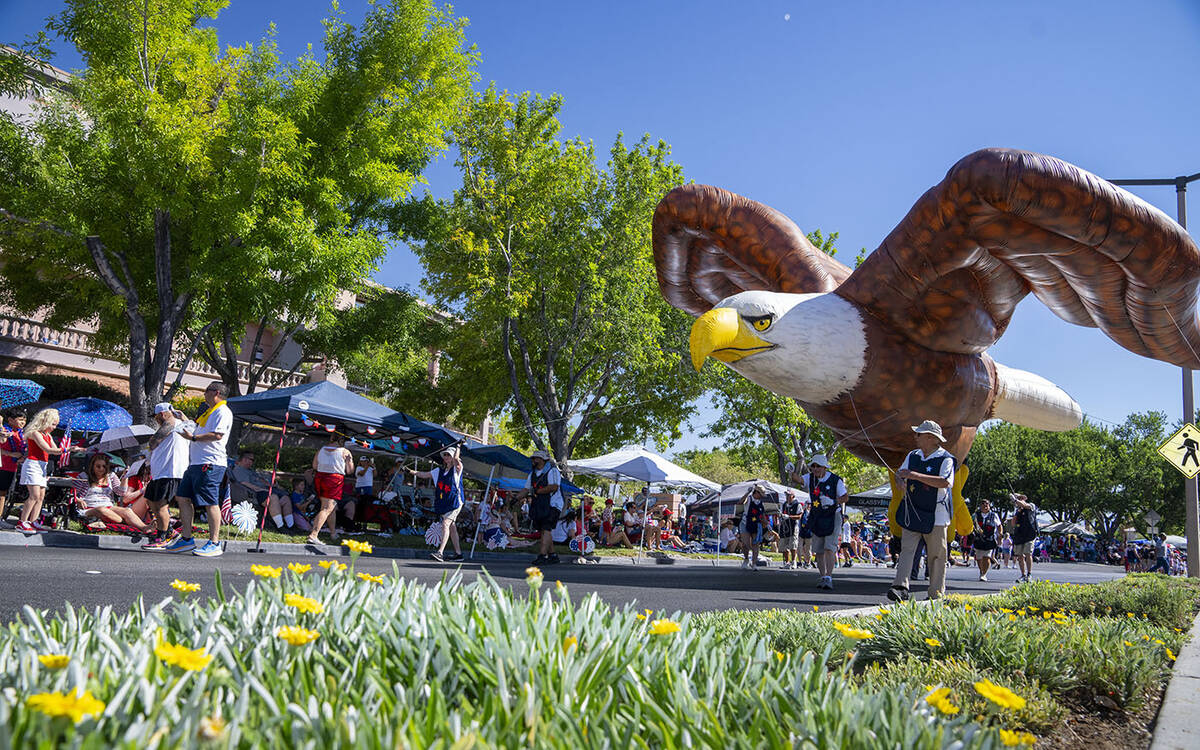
x: 819, y: 460
x: 933, y: 428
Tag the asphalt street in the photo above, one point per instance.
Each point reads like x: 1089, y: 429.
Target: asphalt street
x: 48, y: 577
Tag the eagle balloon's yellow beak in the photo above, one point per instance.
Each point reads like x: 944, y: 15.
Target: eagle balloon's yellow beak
x: 719, y: 333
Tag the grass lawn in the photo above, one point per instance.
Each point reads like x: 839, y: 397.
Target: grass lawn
x: 311, y: 656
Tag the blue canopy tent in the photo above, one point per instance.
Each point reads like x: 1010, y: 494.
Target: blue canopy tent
x: 324, y: 407
x: 511, y: 467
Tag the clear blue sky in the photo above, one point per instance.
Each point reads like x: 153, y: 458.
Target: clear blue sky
x: 841, y: 114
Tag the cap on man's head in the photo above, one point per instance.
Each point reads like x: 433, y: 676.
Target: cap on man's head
x: 931, y: 427
x: 162, y: 408
x: 608, y: 501
x: 819, y: 460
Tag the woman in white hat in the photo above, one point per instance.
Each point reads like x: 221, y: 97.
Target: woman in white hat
x: 827, y: 494
x: 447, y: 499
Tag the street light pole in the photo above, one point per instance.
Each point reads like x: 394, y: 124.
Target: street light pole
x: 1189, y: 405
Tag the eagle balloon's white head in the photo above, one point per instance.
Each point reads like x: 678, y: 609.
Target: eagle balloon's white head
x: 811, y: 347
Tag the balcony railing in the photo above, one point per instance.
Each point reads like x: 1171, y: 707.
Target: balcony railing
x: 79, y: 341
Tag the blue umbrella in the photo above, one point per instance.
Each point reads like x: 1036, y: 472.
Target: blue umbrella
x: 91, y: 415
x: 18, y: 392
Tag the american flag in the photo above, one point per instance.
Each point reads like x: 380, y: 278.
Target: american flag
x: 226, y: 504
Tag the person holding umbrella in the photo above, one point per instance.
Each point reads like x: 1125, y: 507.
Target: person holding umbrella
x: 34, y: 470
x: 12, y: 453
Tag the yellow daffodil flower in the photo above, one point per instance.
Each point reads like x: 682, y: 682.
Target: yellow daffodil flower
x: 357, y: 546
x: 1013, y: 739
x: 570, y: 642
x: 299, y: 568
x: 933, y: 642
x: 664, y: 627
x: 54, y: 661
x: 851, y: 632
x: 999, y: 695
x: 184, y: 586
x: 193, y: 660
x: 266, y: 571
x: 370, y: 578
x: 334, y: 564
x: 295, y: 635
x: 304, y: 604
x: 72, y: 705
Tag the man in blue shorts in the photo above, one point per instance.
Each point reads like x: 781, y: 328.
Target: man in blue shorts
x: 201, y: 483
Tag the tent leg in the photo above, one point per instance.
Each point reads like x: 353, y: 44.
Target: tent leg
x: 717, y: 562
x: 486, y: 493
x: 274, y: 470
x: 645, y: 524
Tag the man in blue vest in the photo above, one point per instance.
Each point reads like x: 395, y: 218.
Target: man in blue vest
x: 925, y: 511
x: 545, y: 504
x: 828, y: 495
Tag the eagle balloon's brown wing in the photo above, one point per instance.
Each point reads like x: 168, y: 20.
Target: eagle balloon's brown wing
x: 710, y: 244
x: 1004, y: 223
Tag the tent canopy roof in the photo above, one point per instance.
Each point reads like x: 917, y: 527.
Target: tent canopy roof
x: 633, y: 462
x: 330, y: 403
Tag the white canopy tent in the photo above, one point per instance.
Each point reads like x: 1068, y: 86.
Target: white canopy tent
x: 635, y: 463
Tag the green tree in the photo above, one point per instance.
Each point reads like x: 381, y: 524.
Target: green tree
x: 174, y: 186
x: 722, y: 466
x: 546, y: 258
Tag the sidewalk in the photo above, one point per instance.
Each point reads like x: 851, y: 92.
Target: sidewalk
x: 121, y: 542
x: 1176, y: 727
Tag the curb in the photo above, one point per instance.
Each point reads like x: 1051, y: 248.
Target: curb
x: 1176, y: 727
x: 76, y: 540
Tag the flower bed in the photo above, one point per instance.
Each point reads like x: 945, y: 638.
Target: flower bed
x: 326, y: 657
x: 1063, y: 647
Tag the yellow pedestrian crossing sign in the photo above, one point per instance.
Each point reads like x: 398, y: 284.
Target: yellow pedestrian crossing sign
x: 1182, y: 450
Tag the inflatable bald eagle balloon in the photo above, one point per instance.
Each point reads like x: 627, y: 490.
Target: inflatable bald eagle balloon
x: 904, y: 337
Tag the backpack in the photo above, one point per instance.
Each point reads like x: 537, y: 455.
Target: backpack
x: 1027, y: 526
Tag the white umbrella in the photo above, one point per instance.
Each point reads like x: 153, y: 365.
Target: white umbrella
x: 129, y: 436
x: 1178, y: 541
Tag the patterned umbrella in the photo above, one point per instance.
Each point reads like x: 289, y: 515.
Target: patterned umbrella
x: 18, y: 392
x: 91, y: 415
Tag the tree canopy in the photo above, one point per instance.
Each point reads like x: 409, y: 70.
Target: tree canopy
x: 174, y: 185
x: 545, y: 256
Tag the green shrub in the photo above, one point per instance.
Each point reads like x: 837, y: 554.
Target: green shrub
x: 292, y: 458
x: 401, y: 664
x: 1040, y: 714
x: 1163, y: 600
x: 1062, y: 653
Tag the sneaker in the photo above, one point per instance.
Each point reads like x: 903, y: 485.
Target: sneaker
x: 210, y: 549
x: 829, y: 583
x: 180, y: 545
x: 539, y: 560
x: 745, y: 564
x: 552, y: 559
x: 437, y: 556
x: 26, y: 528
x: 983, y: 578
x: 159, y: 541
x: 897, y: 594
x: 455, y: 556
x: 41, y: 527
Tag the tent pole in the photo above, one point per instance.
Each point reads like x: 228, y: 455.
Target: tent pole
x: 486, y: 493
x: 645, y: 523
x: 717, y: 562
x: 274, y: 469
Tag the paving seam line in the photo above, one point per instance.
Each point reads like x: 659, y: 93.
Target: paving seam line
x: 1175, y: 728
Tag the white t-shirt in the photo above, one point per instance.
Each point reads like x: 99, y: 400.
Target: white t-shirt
x: 552, y: 477
x: 169, y: 459
x: 845, y: 531
x: 727, y: 536
x: 562, y: 531
x: 825, y: 501
x: 941, y: 516
x: 331, y: 459
x: 213, y: 453
x: 366, y: 479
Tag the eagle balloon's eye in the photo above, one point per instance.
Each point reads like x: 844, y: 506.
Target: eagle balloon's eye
x: 761, y: 322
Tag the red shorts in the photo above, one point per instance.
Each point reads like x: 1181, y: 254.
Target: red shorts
x: 329, y: 485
